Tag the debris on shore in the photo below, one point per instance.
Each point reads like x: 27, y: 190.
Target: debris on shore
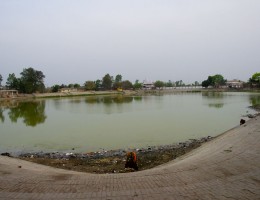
x: 113, y: 161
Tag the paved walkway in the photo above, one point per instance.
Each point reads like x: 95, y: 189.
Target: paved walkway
x: 227, y: 167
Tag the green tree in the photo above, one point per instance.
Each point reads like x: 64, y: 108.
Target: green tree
x: 118, y: 82
x: 55, y: 88
x: 126, y: 85
x: 31, y: 81
x: 205, y: 83
x: 210, y: 80
x: 256, y: 76
x: 90, y: 85
x: 218, y: 80
x: 98, y: 84
x: 117, y: 85
x: 107, y: 82
x: 1, y: 79
x: 76, y: 85
x: 137, y: 85
x: 159, y: 84
x: 63, y: 86
x: 71, y: 85
x: 179, y: 83
x: 12, y: 82
x: 255, y: 79
x: 169, y: 84
x: 214, y: 81
x: 118, y: 78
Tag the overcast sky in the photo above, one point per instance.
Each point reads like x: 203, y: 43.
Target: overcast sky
x: 72, y: 41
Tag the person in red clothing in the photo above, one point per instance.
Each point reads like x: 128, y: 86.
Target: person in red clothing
x: 131, y: 161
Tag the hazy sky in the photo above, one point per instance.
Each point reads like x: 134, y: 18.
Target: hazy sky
x: 72, y: 41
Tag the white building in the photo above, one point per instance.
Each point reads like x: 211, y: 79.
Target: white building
x: 148, y: 85
x: 235, y: 83
x: 8, y: 93
x: 68, y: 90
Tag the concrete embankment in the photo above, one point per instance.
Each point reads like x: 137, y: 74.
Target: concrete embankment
x: 227, y: 167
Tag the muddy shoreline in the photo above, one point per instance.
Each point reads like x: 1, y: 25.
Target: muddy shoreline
x: 113, y: 161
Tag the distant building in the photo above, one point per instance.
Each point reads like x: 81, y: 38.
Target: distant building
x: 68, y: 90
x: 148, y: 85
x: 8, y: 93
x: 235, y: 83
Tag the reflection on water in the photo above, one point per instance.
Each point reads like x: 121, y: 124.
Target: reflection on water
x: 32, y: 113
x: 254, y: 100
x: 111, y: 122
x: 219, y: 99
x: 111, y: 99
x: 2, y: 117
x: 213, y: 95
x: 121, y: 99
x: 4, y: 105
x: 92, y: 100
x: 214, y: 99
x: 216, y: 105
x: 138, y: 98
x: 75, y: 101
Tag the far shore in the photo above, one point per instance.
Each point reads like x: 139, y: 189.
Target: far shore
x: 124, y: 92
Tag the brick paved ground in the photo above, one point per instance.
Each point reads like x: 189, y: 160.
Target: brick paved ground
x: 227, y: 167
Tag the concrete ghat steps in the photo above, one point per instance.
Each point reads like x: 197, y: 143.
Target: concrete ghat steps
x: 227, y: 167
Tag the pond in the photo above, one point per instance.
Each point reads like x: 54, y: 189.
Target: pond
x: 112, y: 122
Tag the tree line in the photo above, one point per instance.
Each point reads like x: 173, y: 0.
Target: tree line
x: 32, y: 81
x: 108, y: 82
x: 215, y: 81
x: 218, y: 80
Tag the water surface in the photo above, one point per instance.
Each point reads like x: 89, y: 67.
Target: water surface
x: 112, y: 122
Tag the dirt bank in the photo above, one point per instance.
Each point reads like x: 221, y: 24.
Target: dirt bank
x: 113, y: 161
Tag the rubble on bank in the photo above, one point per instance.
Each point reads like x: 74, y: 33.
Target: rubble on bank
x: 113, y: 161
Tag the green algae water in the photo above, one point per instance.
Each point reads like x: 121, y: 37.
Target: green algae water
x: 111, y: 122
